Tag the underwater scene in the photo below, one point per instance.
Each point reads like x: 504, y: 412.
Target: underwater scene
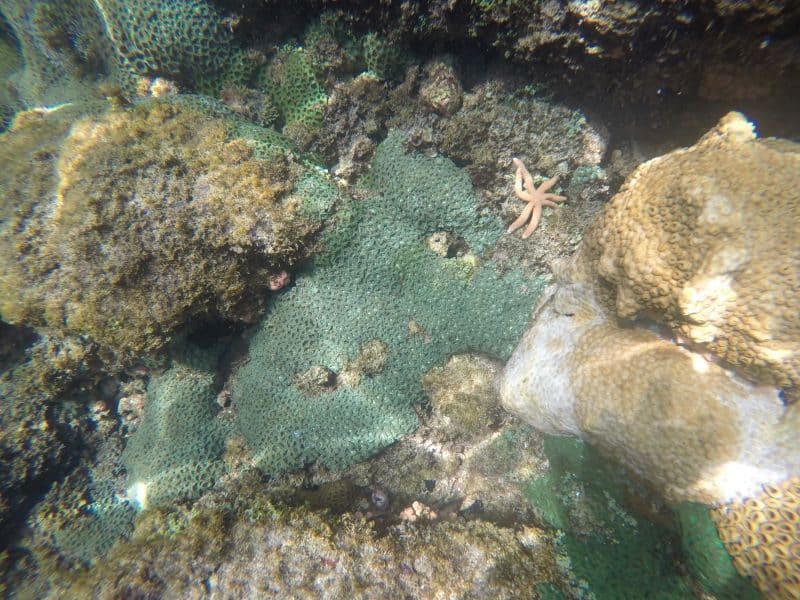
x: 446, y: 299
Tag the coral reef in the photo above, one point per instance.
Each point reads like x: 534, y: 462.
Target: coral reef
x: 607, y: 544
x: 762, y: 534
x: 688, y: 426
x: 294, y: 89
x: 376, y: 282
x: 185, y: 41
x: 10, y: 63
x: 176, y: 451
x: 722, y: 420
x: 79, y: 520
x: 712, y: 251
x: 38, y: 436
x: 674, y: 417
x: 123, y: 225
x: 467, y: 457
x: 622, y: 54
x: 74, y: 48
x: 65, y: 51
x: 441, y: 90
x: 246, y: 548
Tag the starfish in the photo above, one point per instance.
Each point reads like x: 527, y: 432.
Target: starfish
x: 536, y: 199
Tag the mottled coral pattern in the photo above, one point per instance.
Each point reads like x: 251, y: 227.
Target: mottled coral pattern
x: 705, y: 239
x: 762, y: 534
x: 693, y: 430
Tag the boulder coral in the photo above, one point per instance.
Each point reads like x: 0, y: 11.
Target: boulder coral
x: 123, y: 225
x: 333, y: 372
x: 694, y: 430
x: 705, y: 240
x: 691, y: 242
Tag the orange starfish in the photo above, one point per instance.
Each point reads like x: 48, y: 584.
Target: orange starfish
x: 536, y: 199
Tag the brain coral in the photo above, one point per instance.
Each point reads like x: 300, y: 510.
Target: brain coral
x: 123, y: 225
x: 705, y: 240
x: 762, y: 534
x: 335, y: 368
x: 687, y: 240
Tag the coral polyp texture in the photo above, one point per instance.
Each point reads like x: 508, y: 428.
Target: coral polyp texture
x: 181, y: 39
x: 671, y: 412
x: 71, y: 46
x: 122, y: 225
x: 762, y: 534
x: 176, y: 452
x: 335, y: 368
x: 294, y: 89
x: 705, y: 239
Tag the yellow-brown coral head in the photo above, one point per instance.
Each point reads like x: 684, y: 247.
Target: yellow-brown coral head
x: 705, y: 239
x: 692, y: 429
x: 762, y: 535
x: 124, y: 226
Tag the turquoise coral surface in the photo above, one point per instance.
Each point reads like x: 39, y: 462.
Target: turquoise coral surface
x: 373, y: 314
x: 378, y: 280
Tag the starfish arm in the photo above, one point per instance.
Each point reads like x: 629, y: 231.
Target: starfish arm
x: 537, y: 214
x: 554, y: 198
x: 548, y: 184
x: 526, y: 176
x: 518, y: 183
x: 522, y: 218
x: 547, y: 202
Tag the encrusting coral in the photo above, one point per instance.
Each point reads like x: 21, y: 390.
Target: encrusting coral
x: 690, y: 241
x: 122, y: 225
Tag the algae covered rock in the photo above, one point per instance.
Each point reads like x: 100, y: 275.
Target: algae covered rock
x: 124, y: 225
x: 688, y: 229
x: 38, y: 437
x: 244, y: 546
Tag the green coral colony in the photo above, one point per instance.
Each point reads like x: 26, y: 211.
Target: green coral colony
x: 123, y: 224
